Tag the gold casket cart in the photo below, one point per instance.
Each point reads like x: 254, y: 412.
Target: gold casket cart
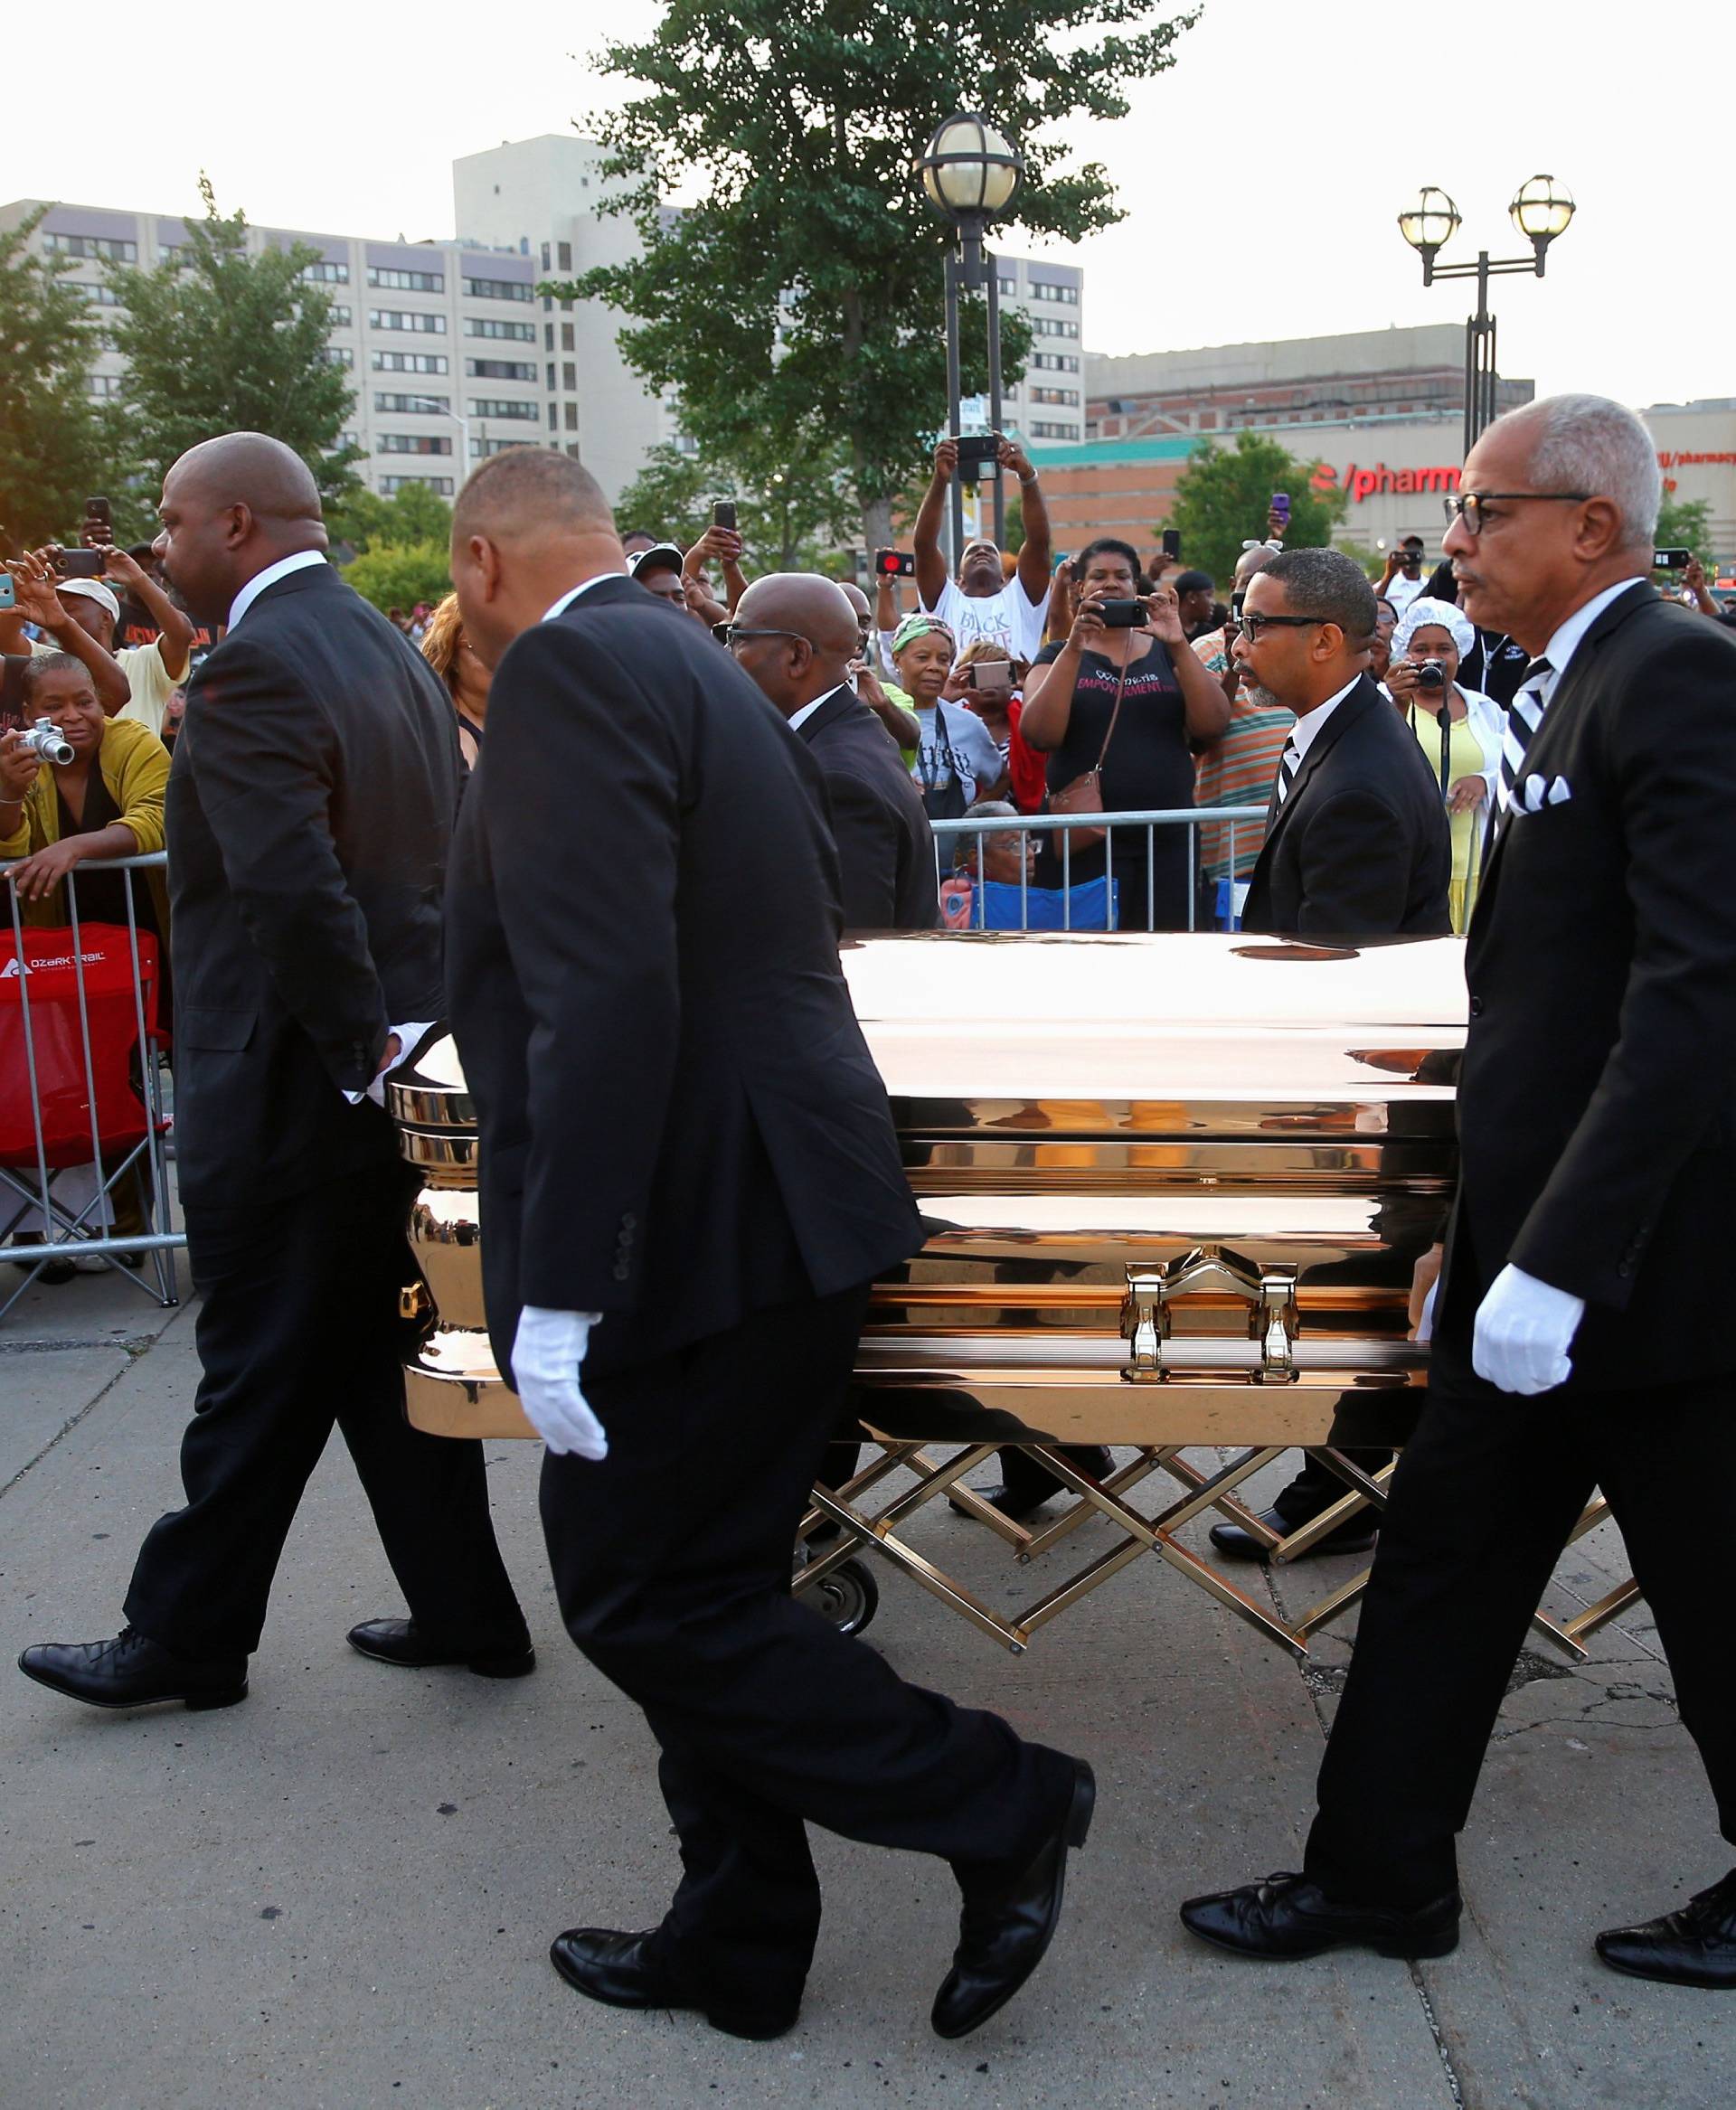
x: 1175, y: 1188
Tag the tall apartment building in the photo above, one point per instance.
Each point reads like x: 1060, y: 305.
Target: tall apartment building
x: 455, y: 355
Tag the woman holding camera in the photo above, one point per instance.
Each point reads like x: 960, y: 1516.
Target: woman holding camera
x: 1119, y: 709
x: 1459, y: 729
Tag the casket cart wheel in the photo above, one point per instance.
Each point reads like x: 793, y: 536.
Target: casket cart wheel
x: 849, y: 1597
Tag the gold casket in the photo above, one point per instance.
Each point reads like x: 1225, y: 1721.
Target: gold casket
x: 1176, y: 1189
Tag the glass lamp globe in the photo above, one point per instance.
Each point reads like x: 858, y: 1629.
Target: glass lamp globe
x: 1542, y: 208
x: 969, y: 168
x: 1431, y: 221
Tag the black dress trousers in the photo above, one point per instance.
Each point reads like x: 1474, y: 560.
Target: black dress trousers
x: 672, y: 1562
x: 296, y: 1330
x: 1480, y: 1507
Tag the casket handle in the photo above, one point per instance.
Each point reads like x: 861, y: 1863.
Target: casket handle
x: 1147, y: 1311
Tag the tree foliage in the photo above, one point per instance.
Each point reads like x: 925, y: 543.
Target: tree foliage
x: 1686, y: 524
x: 798, y: 303
x: 396, y: 575
x: 416, y: 513
x: 1224, y: 493
x: 218, y: 340
x: 791, y: 520
x: 52, y: 438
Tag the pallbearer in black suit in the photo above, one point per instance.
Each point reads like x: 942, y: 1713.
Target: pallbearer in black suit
x: 1581, y: 1330
x: 309, y: 817
x: 689, y: 1179
x: 1357, y: 844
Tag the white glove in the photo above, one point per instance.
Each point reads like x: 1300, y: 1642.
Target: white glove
x: 1524, y: 1329
x: 548, y: 1351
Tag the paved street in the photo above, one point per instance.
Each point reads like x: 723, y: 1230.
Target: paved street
x: 339, y: 1894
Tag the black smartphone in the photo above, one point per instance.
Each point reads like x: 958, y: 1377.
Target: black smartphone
x: 723, y: 514
x: 97, y: 511
x: 979, y: 457
x: 1171, y: 543
x: 1121, y: 614
x: 1671, y: 560
x: 894, y: 564
x: 79, y: 563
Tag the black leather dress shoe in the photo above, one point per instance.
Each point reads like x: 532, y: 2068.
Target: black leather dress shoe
x: 1695, y: 1946
x: 1007, y: 1924
x: 1356, y: 1535
x: 1287, y: 1917
x: 622, y: 1971
x: 131, y: 1671
x: 396, y: 1641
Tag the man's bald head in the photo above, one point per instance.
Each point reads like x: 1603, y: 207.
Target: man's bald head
x: 529, y: 526
x: 231, y: 507
x: 809, y: 636
x: 1253, y: 561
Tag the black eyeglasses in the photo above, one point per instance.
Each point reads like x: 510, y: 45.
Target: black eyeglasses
x: 1473, y: 506
x: 1251, y: 626
x: 731, y: 635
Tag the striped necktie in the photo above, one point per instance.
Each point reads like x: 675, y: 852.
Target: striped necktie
x: 1525, y: 715
x: 1289, y: 762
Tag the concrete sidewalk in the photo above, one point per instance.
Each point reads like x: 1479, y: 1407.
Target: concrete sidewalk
x: 339, y: 1895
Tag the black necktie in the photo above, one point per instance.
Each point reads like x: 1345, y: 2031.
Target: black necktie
x: 1289, y: 762
x: 1525, y: 715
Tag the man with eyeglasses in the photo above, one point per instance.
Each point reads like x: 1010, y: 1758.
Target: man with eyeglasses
x: 1579, y: 1337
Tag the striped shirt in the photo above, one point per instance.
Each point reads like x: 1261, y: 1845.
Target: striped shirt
x: 1238, y: 769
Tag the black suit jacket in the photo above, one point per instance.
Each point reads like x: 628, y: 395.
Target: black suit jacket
x: 1359, y: 848
x: 309, y: 813
x: 885, y: 844
x: 1597, y: 1102
x: 680, y: 1119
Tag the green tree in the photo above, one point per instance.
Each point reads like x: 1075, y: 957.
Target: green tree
x: 792, y: 518
x: 414, y: 513
x: 396, y: 575
x: 1686, y: 524
x: 1224, y: 493
x: 797, y: 304
x: 52, y: 440
x: 218, y: 340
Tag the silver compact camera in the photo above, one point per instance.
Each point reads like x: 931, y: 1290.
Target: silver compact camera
x: 45, y: 740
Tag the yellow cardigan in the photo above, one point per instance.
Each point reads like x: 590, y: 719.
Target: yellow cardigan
x: 135, y: 766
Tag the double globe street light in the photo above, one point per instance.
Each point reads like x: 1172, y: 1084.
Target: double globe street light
x: 971, y: 175
x: 1540, y: 210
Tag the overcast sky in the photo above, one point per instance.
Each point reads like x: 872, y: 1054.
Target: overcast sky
x: 1262, y: 174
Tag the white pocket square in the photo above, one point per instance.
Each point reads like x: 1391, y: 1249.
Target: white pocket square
x: 1534, y: 792
x: 1560, y: 792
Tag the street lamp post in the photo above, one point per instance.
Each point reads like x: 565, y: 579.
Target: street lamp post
x: 463, y: 424
x: 1540, y: 210
x: 971, y: 175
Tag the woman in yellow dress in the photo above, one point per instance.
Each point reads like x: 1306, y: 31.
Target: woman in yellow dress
x: 1459, y: 731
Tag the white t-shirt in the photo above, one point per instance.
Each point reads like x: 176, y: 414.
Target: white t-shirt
x: 1008, y: 619
x: 973, y: 749
x: 152, y: 685
x: 1402, y: 591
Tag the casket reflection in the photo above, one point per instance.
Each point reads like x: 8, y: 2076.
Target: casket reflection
x: 1175, y: 1188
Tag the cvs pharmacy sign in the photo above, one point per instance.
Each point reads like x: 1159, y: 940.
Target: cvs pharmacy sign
x: 1379, y: 481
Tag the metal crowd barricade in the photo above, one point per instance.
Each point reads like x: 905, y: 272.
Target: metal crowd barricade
x: 84, y: 1118
x: 978, y: 832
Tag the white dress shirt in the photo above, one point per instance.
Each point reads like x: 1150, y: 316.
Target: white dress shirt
x: 584, y: 586
x: 1567, y: 639
x: 1307, y: 729
x: 807, y: 712
x: 257, y: 585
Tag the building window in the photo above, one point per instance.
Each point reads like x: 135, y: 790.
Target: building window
x: 1055, y: 362
x: 405, y: 281
x: 549, y: 370
x: 500, y: 370
x: 330, y: 274
x: 1063, y: 295
x: 341, y: 317
x: 548, y: 336
x: 565, y: 255
x: 497, y: 289
x: 1051, y: 325
x: 555, y: 415
x: 99, y: 296
x: 340, y: 355
x: 404, y: 318
x: 568, y: 375
x: 1055, y: 396
x: 477, y: 325
x: 500, y: 406
x: 413, y: 443
x: 407, y: 362
x: 545, y: 256
x: 566, y: 336
x: 1040, y: 430
x: 1009, y: 286
x: 441, y: 485
x: 105, y: 386
x: 109, y: 248
x: 412, y: 404
x: 572, y: 417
